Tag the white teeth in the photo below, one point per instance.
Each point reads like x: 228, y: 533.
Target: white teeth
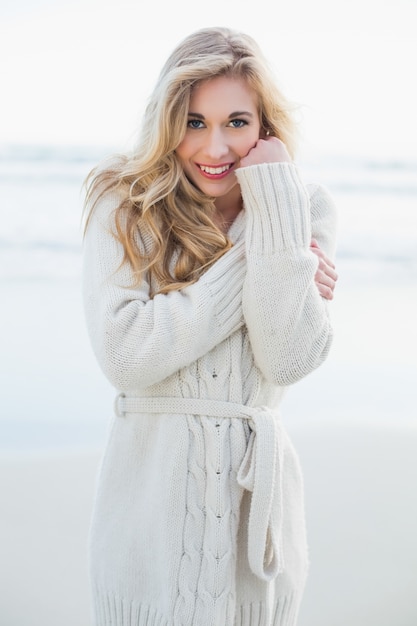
x: 214, y: 170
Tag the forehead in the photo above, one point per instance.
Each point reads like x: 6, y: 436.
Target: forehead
x: 223, y: 93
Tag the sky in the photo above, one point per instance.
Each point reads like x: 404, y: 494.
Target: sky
x: 79, y: 72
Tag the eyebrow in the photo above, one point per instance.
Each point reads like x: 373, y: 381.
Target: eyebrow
x: 234, y: 114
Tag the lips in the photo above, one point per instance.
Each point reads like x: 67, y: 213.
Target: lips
x: 215, y: 171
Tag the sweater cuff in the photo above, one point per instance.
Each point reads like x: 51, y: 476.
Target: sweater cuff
x: 277, y: 206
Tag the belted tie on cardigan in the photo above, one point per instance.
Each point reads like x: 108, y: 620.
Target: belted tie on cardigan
x: 260, y: 471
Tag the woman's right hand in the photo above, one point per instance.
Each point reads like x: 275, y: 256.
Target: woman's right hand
x: 326, y: 276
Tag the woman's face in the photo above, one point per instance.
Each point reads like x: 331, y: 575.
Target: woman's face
x: 223, y: 125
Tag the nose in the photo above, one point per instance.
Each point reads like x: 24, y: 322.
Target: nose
x: 216, y: 145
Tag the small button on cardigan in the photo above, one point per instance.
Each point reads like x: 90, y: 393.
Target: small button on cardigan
x: 199, y: 517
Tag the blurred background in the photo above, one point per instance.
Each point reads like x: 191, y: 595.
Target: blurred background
x: 75, y: 77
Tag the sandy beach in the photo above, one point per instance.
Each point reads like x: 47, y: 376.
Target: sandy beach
x: 45, y: 509
x: 352, y: 422
x: 361, y: 513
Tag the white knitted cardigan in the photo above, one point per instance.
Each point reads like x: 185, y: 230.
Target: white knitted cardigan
x: 198, y: 517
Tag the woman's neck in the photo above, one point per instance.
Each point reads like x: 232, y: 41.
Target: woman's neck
x: 228, y: 208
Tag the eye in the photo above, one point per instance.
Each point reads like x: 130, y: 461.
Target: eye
x: 194, y: 124
x: 238, y: 123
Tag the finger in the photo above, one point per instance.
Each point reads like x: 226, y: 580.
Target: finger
x: 321, y: 278
x: 321, y: 255
x: 326, y: 292
x: 324, y: 283
x: 328, y: 270
x: 325, y: 280
x: 323, y: 259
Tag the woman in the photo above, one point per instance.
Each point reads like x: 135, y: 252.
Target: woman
x: 207, y: 270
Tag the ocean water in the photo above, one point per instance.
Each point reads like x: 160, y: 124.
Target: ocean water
x: 52, y: 392
x: 41, y: 201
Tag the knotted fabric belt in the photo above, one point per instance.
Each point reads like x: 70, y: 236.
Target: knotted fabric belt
x: 260, y: 471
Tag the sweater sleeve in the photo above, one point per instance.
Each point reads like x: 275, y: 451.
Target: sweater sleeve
x: 139, y: 341
x: 286, y: 317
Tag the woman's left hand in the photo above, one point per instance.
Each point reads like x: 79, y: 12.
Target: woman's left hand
x: 326, y: 276
x: 268, y: 150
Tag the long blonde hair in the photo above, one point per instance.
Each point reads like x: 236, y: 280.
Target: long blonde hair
x: 158, y: 199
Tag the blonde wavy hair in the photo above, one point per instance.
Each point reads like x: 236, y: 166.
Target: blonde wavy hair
x: 157, y: 197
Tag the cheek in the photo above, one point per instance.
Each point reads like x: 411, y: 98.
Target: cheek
x: 247, y: 142
x: 183, y: 151
x: 180, y: 154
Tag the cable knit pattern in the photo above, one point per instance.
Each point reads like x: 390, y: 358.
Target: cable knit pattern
x: 198, y: 518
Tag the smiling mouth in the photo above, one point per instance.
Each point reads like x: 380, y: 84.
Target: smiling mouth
x: 215, y: 171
